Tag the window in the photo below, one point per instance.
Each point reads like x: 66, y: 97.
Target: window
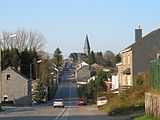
x: 8, y: 77
x: 129, y: 79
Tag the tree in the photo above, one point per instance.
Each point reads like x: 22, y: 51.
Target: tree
x: 26, y: 61
x: 10, y: 57
x: 24, y: 39
x: 57, y: 58
x: 91, y: 58
x: 109, y: 58
x: 98, y: 85
x: 14, y: 58
x: 99, y: 58
x: 117, y: 58
x: 23, y: 61
x: 101, y: 78
x: 6, y: 61
x: 40, y: 91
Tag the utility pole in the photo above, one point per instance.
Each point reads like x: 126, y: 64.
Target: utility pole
x: 30, y: 71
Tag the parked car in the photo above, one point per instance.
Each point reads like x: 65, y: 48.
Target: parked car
x: 58, y: 103
x: 101, y: 101
x: 81, y: 101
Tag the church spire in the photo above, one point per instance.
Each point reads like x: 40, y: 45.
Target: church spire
x: 86, y: 46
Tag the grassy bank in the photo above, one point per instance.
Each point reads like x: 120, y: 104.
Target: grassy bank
x: 129, y: 101
x: 145, y: 117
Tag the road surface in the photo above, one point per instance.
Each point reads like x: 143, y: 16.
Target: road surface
x: 67, y: 90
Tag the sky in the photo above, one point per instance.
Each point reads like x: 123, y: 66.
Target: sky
x: 109, y: 24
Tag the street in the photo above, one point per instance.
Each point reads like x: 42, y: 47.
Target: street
x: 67, y: 91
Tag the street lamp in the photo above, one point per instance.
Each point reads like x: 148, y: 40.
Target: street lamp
x: 11, y: 36
x: 39, y: 61
x: 30, y: 66
x: 57, y: 75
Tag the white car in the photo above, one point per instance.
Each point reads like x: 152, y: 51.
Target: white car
x: 58, y: 103
x: 101, y: 101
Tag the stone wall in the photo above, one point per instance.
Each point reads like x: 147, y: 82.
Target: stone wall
x: 152, y: 104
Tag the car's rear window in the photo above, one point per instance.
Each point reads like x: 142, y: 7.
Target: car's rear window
x: 103, y: 98
x: 58, y: 100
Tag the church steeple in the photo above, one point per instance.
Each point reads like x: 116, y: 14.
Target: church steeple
x: 86, y: 46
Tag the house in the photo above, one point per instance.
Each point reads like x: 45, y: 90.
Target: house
x: 81, y: 64
x: 136, y: 57
x: 115, y: 82
x: 16, y: 87
x: 81, y: 56
x: 73, y: 57
x: 108, y: 85
x: 83, y: 74
x: 91, y: 78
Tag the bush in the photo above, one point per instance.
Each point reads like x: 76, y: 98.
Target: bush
x: 130, y: 100
x: 123, y: 110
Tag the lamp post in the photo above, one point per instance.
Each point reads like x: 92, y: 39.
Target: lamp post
x: 39, y: 61
x: 57, y: 75
x: 11, y: 36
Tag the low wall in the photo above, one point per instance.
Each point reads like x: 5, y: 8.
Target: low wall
x: 152, y: 104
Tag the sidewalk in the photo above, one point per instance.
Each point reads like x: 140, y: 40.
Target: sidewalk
x: 7, y: 109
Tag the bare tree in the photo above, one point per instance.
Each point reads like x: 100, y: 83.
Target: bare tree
x: 24, y: 39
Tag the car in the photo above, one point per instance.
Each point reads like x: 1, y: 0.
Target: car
x: 58, y: 103
x: 81, y: 101
x: 101, y: 101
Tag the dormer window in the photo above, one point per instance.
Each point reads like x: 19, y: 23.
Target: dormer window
x: 8, y: 77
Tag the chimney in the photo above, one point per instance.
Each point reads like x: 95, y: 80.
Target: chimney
x: 138, y: 34
x: 19, y: 68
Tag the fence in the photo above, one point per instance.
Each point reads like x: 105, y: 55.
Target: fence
x: 155, y: 74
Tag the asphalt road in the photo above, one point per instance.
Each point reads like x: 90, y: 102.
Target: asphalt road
x: 67, y: 90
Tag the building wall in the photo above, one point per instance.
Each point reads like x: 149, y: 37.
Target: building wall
x: 115, y: 82
x: 142, y: 52
x: 16, y: 88
x: 119, y: 74
x: 83, y: 74
x: 126, y: 79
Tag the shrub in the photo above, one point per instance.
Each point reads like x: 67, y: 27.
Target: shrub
x: 130, y: 100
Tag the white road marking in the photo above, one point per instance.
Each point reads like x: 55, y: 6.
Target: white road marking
x: 70, y: 92
x: 60, y: 114
x: 67, y: 114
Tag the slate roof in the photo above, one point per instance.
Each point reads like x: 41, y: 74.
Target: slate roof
x: 79, y: 56
x: 146, y: 37
x: 85, y: 66
x: 143, y: 51
x: 16, y: 71
x: 86, y: 44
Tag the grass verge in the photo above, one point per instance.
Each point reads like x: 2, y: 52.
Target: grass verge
x: 145, y: 117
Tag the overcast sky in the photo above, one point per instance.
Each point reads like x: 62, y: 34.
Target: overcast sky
x: 110, y: 24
